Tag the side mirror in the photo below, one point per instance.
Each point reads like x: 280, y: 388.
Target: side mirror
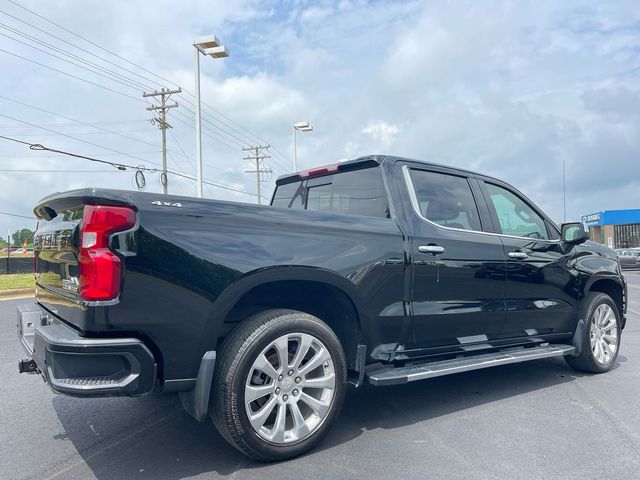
x: 574, y: 233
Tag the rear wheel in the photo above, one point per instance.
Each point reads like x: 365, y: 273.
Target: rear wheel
x: 279, y: 384
x: 601, y: 340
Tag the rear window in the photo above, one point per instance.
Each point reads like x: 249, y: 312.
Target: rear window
x: 290, y: 195
x: 357, y: 192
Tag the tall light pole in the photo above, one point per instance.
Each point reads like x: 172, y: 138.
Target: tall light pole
x: 298, y: 127
x: 564, y: 194
x: 209, y: 45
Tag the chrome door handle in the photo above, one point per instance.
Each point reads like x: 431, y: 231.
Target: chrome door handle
x: 432, y: 249
x: 518, y: 255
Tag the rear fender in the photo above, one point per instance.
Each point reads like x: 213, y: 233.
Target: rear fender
x: 237, y: 290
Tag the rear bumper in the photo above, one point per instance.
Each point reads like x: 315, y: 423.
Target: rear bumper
x: 76, y: 365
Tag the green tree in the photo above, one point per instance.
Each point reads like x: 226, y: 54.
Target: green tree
x: 17, y: 237
x: 2, y: 243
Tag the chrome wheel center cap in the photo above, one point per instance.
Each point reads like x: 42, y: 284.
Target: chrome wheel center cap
x: 287, y: 385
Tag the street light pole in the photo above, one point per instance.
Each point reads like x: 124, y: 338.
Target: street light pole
x: 198, y: 125
x: 564, y: 194
x: 209, y: 46
x: 299, y: 127
x: 295, y: 151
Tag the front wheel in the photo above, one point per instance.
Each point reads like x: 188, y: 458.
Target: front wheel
x: 601, y: 340
x: 279, y: 385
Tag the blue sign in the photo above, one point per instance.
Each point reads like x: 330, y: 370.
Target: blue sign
x: 612, y: 217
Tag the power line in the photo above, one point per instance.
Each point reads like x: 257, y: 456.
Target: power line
x: 95, y: 45
x: 283, y: 157
x: 226, y: 132
x: 60, y: 171
x: 252, y: 137
x: 109, y: 75
x: 79, y: 133
x: 191, y: 162
x: 178, y: 114
x: 76, y: 121
x: 100, y: 153
x: 74, y: 138
x: 72, y: 76
x: 215, y: 132
x: 184, y: 154
x: 17, y: 215
x: 242, y: 142
x: 69, y: 43
x: 120, y: 122
x: 236, y: 145
x: 121, y: 166
x: 73, y: 55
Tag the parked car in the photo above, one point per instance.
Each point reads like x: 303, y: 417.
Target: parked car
x: 380, y: 270
x: 628, y: 258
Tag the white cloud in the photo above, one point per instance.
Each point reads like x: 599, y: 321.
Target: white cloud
x: 508, y: 89
x: 382, y: 133
x: 257, y: 100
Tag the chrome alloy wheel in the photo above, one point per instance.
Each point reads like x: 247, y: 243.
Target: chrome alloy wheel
x: 604, y: 334
x: 290, y: 388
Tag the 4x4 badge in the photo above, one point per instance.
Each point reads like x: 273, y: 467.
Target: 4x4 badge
x: 167, y: 204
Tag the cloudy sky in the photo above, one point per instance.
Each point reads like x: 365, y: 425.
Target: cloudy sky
x: 508, y: 88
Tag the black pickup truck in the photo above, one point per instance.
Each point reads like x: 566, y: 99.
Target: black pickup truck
x: 380, y: 270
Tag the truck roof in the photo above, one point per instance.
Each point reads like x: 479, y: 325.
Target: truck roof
x: 375, y: 158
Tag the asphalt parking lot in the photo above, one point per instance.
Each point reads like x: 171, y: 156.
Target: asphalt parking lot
x: 535, y: 420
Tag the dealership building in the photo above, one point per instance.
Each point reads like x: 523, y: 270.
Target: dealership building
x: 614, y: 228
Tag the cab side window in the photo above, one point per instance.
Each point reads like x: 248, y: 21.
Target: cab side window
x: 516, y: 217
x: 446, y: 199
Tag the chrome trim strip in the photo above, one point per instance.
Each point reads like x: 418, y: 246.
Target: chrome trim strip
x: 416, y: 208
x: 448, y: 367
x: 473, y: 339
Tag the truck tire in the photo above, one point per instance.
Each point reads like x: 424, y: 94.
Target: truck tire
x: 279, y: 384
x: 601, y: 335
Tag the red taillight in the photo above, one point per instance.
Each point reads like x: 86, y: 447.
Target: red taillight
x: 100, y: 268
x: 315, y: 172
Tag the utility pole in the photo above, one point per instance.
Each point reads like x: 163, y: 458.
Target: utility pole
x: 564, y: 194
x: 258, y: 156
x: 161, y: 121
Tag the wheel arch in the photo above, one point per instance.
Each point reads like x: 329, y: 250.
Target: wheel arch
x: 319, y: 292
x: 612, y: 287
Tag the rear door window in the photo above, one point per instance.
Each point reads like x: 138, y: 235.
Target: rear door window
x: 445, y: 199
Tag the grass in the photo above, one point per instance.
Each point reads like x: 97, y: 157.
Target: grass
x: 17, y: 280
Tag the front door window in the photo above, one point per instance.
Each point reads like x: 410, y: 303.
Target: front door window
x: 515, y: 216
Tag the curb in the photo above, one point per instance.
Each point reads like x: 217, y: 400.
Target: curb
x: 16, y: 293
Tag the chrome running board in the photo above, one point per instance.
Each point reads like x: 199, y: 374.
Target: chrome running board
x: 423, y: 370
